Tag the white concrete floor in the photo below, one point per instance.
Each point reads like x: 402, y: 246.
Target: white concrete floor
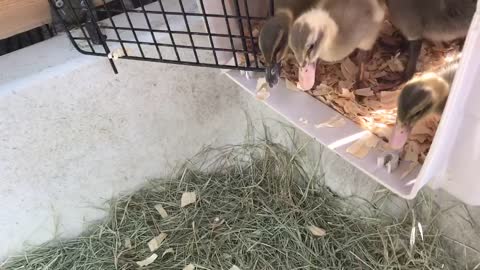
x: 73, y: 135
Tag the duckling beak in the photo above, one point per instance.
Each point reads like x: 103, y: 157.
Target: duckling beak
x: 272, y: 74
x: 400, y: 136
x: 306, y: 75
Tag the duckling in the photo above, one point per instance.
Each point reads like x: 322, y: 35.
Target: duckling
x: 435, y: 20
x: 273, y: 39
x: 332, y: 30
x: 419, y: 98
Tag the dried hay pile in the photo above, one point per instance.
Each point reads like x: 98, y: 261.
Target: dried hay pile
x: 245, y: 207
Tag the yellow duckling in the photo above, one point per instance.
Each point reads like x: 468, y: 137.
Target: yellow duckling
x: 332, y: 30
x: 419, y: 98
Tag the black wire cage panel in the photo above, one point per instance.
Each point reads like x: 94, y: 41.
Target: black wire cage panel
x: 208, y: 33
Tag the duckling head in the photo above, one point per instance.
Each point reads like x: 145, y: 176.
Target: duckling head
x: 419, y: 98
x: 273, y: 43
x: 310, y: 39
x: 311, y: 35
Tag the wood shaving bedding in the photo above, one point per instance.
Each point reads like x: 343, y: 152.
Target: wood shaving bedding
x: 148, y: 260
x: 334, y: 122
x: 362, y: 146
x: 373, y: 105
x: 262, y: 89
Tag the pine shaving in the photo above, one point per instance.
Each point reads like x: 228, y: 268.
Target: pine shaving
x: 345, y: 93
x: 358, y: 149
x: 148, y: 260
x: 262, y: 89
x: 346, y: 84
x: 163, y: 213
x: 156, y: 242
x: 316, y: 231
x: 291, y: 85
x: 389, y: 97
x: 334, y: 122
x: 365, y: 92
x: 128, y: 243
x: 189, y: 267
x: 371, y: 141
x: 118, y: 53
x: 349, y: 69
x: 263, y: 95
x: 261, y: 84
x: 168, y: 251
x: 362, y: 146
x: 322, y: 90
x: 411, y: 155
x: 188, y: 198
x: 396, y: 65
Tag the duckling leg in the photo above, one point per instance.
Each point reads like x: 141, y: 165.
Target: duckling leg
x: 461, y: 43
x: 363, y: 57
x: 414, y: 48
x: 364, y: 54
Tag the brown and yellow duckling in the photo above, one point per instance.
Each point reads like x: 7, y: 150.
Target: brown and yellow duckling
x: 435, y: 20
x: 273, y: 39
x: 419, y: 98
x: 332, y: 30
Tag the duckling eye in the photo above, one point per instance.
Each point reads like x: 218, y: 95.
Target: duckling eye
x: 310, y: 49
x: 417, y: 114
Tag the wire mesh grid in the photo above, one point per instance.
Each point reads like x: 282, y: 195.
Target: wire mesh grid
x: 209, y: 33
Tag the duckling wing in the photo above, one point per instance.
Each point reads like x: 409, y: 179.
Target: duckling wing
x: 447, y: 19
x: 407, y: 16
x: 437, y: 20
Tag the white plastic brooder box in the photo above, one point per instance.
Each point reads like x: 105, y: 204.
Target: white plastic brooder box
x: 453, y: 162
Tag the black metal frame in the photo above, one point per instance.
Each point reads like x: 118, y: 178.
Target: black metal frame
x: 25, y: 39
x: 84, y: 26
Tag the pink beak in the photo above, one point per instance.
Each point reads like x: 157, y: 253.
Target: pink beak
x: 306, y: 76
x: 399, y: 136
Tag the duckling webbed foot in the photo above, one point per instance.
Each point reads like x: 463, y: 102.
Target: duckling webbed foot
x: 389, y: 160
